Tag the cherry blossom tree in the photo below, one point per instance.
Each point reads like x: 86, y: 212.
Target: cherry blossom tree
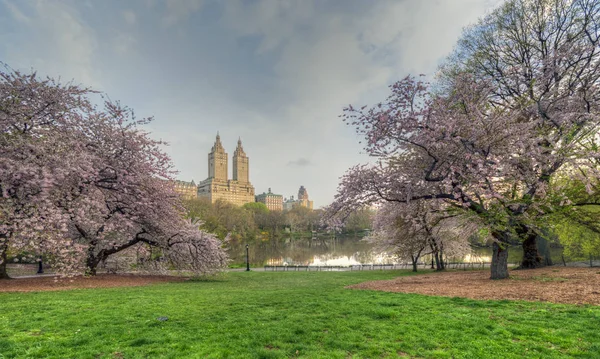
x: 37, y: 153
x: 491, y: 144
x: 191, y: 250
x: 393, y: 234
x: 418, y: 228
x: 542, y: 55
x: 81, y: 183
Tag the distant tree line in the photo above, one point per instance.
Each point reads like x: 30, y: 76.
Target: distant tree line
x: 254, y: 221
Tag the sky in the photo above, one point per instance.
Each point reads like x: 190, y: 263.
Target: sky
x: 276, y: 73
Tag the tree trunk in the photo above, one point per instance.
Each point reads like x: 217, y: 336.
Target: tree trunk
x: 531, y: 257
x: 438, y: 267
x: 91, y: 264
x: 3, y: 272
x: 499, y: 268
x: 90, y: 267
x: 414, y: 263
x: 3, y: 260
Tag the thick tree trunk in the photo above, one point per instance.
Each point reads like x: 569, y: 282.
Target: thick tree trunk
x: 90, y: 267
x: 91, y: 264
x: 499, y: 268
x: 3, y: 255
x: 3, y: 272
x: 531, y: 257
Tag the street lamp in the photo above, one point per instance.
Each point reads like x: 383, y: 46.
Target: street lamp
x: 247, y: 260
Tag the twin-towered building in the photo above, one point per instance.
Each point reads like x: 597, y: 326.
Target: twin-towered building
x: 217, y: 186
x: 237, y: 190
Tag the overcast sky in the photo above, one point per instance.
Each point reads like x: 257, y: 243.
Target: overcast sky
x: 275, y: 73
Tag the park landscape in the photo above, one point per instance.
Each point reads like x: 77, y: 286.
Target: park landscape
x: 498, y: 149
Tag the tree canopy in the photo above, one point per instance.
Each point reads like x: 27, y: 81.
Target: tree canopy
x: 514, y: 107
x: 81, y: 182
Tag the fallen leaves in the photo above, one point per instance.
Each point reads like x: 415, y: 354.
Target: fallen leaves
x: 552, y: 284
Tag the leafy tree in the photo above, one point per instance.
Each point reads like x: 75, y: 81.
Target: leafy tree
x: 577, y: 221
x: 302, y: 219
x: 256, y: 207
x: 222, y: 218
x: 359, y: 220
x: 274, y: 222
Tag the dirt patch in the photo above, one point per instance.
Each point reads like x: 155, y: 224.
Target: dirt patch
x: 551, y: 284
x: 99, y: 281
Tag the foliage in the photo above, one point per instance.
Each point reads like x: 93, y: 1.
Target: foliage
x: 359, y: 220
x: 578, y: 230
x: 302, y: 219
x: 252, y: 220
x: 287, y: 315
x: 223, y: 218
x: 256, y: 207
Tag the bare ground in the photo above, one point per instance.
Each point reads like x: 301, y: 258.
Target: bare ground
x: 99, y: 281
x: 551, y: 284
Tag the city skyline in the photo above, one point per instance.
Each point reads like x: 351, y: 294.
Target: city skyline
x: 230, y: 168
x: 276, y: 73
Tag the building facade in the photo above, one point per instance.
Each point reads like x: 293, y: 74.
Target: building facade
x: 302, y: 200
x: 217, y: 186
x: 187, y: 190
x: 274, y: 202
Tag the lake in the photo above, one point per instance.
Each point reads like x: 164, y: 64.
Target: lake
x: 327, y: 251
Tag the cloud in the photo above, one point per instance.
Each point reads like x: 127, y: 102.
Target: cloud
x: 275, y: 22
x: 326, y: 55
x: 129, y: 17
x: 55, y: 42
x: 302, y: 162
x: 16, y: 12
x: 123, y: 43
x: 276, y: 72
x: 179, y: 10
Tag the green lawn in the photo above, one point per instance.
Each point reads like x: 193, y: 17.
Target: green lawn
x: 287, y: 315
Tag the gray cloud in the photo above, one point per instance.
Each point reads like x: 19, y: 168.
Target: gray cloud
x: 275, y: 72
x: 179, y: 10
x: 302, y: 162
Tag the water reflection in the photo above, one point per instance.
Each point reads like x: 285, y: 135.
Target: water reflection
x: 478, y: 257
x: 306, y: 251
x: 324, y: 251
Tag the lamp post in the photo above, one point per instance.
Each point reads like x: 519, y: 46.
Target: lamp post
x: 247, y: 260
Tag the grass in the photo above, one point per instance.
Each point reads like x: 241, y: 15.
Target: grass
x: 287, y: 315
